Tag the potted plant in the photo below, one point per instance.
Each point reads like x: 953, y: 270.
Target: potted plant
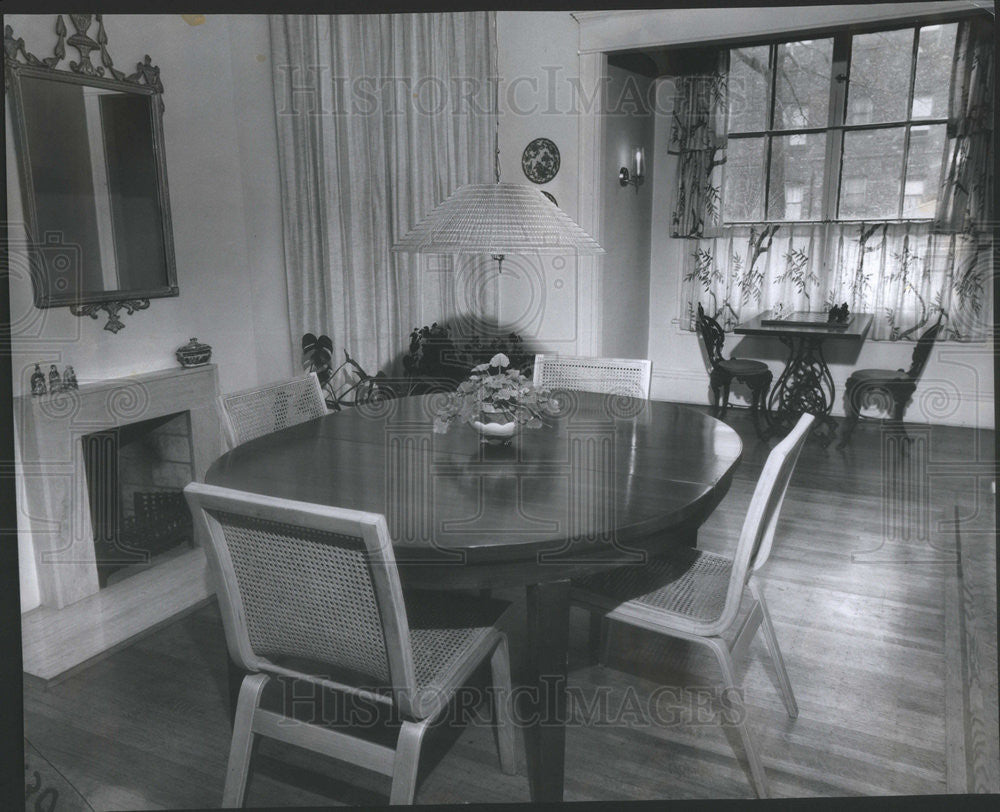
x: 495, y: 400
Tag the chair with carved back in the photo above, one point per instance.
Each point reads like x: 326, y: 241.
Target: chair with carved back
x: 895, y: 387
x: 312, y: 593
x: 700, y: 596
x: 255, y: 412
x: 755, y: 374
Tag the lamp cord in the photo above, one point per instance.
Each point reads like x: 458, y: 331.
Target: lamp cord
x: 496, y: 112
x: 496, y: 92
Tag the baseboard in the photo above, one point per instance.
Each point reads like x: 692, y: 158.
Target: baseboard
x: 974, y: 409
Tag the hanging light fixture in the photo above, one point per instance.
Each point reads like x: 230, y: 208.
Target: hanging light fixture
x: 498, y: 218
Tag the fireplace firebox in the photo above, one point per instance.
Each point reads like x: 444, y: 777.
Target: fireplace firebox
x: 135, y: 476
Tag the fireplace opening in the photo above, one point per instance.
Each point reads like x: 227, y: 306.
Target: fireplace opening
x: 136, y: 475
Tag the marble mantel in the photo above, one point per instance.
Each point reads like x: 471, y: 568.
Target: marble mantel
x: 77, y: 620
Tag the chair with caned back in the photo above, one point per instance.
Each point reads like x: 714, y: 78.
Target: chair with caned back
x: 896, y: 386
x: 697, y: 596
x: 255, y: 412
x: 312, y: 593
x: 609, y: 376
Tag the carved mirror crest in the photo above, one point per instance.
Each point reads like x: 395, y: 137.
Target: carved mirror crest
x: 93, y: 174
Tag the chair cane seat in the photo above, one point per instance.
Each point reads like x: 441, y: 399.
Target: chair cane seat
x: 445, y: 630
x: 691, y: 584
x: 743, y: 366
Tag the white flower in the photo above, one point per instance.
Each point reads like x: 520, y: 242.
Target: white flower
x: 479, y: 368
x: 500, y: 360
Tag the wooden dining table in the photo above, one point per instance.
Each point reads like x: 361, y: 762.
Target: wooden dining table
x: 608, y: 481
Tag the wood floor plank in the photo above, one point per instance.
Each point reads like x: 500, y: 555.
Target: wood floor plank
x: 883, y: 681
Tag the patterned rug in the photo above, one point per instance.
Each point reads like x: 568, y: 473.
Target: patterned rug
x: 45, y: 788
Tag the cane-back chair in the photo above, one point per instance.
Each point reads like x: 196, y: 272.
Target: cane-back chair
x: 312, y: 592
x: 609, y: 376
x: 696, y: 595
x: 255, y: 412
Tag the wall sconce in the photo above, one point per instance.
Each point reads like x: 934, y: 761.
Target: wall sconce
x: 638, y: 173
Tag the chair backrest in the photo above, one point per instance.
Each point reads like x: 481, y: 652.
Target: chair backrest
x: 302, y: 582
x: 712, y: 335
x: 923, y: 351
x: 255, y: 412
x: 757, y: 535
x: 609, y: 376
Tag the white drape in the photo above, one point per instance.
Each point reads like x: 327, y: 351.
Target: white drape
x: 379, y: 119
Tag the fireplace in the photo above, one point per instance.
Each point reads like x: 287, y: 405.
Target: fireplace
x: 135, y: 475
x: 99, y: 480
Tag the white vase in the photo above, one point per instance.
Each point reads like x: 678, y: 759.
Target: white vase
x: 495, y: 433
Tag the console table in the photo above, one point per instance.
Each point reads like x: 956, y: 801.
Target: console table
x: 805, y: 384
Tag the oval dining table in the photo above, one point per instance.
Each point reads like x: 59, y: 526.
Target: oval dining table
x: 608, y: 481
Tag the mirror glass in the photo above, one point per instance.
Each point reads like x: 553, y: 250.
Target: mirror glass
x: 95, y: 191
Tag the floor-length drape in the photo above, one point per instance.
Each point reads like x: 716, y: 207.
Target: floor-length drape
x: 379, y: 119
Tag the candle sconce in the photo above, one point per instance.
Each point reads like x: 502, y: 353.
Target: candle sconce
x: 638, y: 173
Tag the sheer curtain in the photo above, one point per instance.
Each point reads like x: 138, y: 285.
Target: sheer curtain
x: 379, y: 119
x: 906, y: 273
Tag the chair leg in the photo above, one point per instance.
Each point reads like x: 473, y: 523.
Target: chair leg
x: 853, y: 413
x: 758, y: 403
x: 725, y: 661
x: 716, y: 382
x: 725, y: 400
x: 599, y: 640
x: 503, y: 696
x: 771, y: 641
x: 898, y: 410
x: 404, y: 768
x: 241, y: 747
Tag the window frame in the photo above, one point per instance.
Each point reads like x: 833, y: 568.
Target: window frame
x: 837, y: 125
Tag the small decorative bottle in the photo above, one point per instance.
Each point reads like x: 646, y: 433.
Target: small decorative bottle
x: 55, y: 382
x: 37, y: 381
x: 69, y: 378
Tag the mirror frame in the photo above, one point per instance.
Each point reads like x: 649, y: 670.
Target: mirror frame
x: 145, y: 82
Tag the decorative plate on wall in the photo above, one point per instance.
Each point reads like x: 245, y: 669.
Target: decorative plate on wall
x: 551, y: 197
x: 540, y: 160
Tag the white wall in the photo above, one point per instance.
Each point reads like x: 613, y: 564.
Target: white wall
x: 538, y: 61
x: 626, y: 219
x: 222, y: 172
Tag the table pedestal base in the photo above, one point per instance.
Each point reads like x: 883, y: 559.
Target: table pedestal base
x: 805, y: 385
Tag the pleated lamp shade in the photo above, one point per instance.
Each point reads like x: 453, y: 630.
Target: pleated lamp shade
x: 498, y: 218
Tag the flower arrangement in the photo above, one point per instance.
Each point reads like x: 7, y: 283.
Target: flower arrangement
x: 495, y: 394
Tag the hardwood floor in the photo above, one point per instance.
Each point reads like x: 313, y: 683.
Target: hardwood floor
x: 884, y: 606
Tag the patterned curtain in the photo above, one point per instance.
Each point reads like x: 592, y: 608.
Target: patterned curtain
x: 698, y: 138
x: 964, y: 204
x: 906, y: 273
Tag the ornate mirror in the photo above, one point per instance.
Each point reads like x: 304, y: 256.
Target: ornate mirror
x: 93, y: 176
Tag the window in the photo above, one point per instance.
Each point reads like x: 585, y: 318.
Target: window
x: 847, y: 127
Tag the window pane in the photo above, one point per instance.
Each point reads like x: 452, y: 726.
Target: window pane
x: 748, y: 89
x: 796, y: 189
x: 743, y: 180
x: 923, y: 170
x: 803, y: 84
x: 880, y: 76
x: 935, y: 53
x: 872, y: 173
